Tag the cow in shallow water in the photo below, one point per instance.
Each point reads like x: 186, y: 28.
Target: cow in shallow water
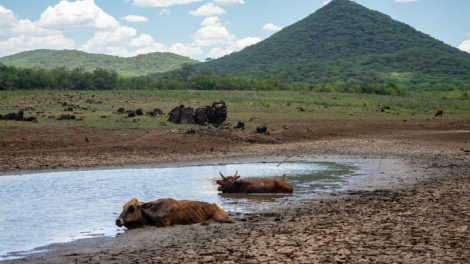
x: 439, y: 112
x: 167, y: 212
x: 231, y: 184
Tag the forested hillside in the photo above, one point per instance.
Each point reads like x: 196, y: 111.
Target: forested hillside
x: 341, y: 47
x: 134, y: 66
x: 348, y: 42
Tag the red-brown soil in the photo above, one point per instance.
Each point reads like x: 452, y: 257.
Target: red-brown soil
x: 58, y: 148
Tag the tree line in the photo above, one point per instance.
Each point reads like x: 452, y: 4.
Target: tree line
x: 13, y: 78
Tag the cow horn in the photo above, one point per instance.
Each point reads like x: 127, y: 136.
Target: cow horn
x: 236, y: 172
x: 223, y: 177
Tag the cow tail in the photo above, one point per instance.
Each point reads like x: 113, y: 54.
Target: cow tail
x: 284, y: 176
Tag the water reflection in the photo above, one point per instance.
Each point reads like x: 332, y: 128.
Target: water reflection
x: 44, y: 208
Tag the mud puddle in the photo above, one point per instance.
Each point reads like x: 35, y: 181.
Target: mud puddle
x: 45, y: 208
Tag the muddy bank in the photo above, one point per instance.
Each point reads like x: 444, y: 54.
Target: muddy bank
x: 417, y: 223
x: 62, y: 148
x: 422, y: 217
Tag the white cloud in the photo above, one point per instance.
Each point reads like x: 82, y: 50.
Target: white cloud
x: 217, y: 52
x: 118, y: 38
x: 465, y: 46
x: 162, y: 3
x: 10, y: 25
x: 142, y: 40
x: 405, y: 1
x: 185, y: 50
x: 123, y: 52
x: 24, y: 43
x: 215, y: 34
x: 243, y: 43
x: 208, y: 9
x: 211, y: 21
x: 212, y: 35
x: 164, y: 11
x: 240, y: 44
x: 79, y: 15
x: 132, y: 18
x: 7, y: 17
x: 229, y: 2
x: 271, y: 26
x: 178, y: 48
x: 325, y: 2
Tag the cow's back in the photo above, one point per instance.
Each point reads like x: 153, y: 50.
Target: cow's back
x: 184, y: 212
x: 195, y: 212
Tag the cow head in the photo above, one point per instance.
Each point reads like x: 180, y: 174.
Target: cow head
x: 131, y: 215
x: 227, y: 182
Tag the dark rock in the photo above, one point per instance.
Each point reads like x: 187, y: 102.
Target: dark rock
x: 103, y: 116
x: 1, y: 117
x: 262, y: 129
x: 174, y: 115
x: 187, y: 116
x: 131, y: 114
x: 139, y: 112
x: 240, y: 125
x: 19, y: 116
x: 200, y: 116
x: 72, y: 117
x: 10, y: 116
x: 120, y: 111
x: 63, y: 117
x: 157, y: 111
x: 31, y: 119
x: 217, y: 113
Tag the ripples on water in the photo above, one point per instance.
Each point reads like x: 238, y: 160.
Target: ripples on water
x: 44, y: 208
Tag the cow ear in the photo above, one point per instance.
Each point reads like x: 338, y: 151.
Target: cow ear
x: 146, y: 205
x: 236, y: 178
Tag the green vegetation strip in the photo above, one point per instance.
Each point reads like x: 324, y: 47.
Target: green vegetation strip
x: 242, y: 105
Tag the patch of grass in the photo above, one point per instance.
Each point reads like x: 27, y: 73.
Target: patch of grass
x: 241, y: 106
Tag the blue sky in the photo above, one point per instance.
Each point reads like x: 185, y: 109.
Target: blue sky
x: 195, y: 28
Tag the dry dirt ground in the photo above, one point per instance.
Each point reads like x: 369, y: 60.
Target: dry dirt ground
x: 424, y: 221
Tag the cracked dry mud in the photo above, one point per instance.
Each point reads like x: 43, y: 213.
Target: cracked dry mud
x: 421, y: 220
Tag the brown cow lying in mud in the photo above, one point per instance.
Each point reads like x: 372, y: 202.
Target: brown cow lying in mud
x: 167, y: 212
x: 439, y: 112
x: 231, y: 184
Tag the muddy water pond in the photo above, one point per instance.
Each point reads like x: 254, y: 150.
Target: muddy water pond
x: 56, y: 207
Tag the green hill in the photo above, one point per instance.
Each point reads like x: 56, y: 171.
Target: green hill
x: 134, y: 66
x: 349, y: 42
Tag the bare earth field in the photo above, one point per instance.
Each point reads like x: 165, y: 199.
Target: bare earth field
x: 420, y: 220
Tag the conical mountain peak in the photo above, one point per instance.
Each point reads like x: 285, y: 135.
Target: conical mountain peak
x: 339, y: 31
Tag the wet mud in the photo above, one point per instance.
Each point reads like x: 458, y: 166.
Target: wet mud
x: 422, y: 217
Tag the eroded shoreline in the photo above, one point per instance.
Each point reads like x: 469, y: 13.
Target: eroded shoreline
x: 412, y: 221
